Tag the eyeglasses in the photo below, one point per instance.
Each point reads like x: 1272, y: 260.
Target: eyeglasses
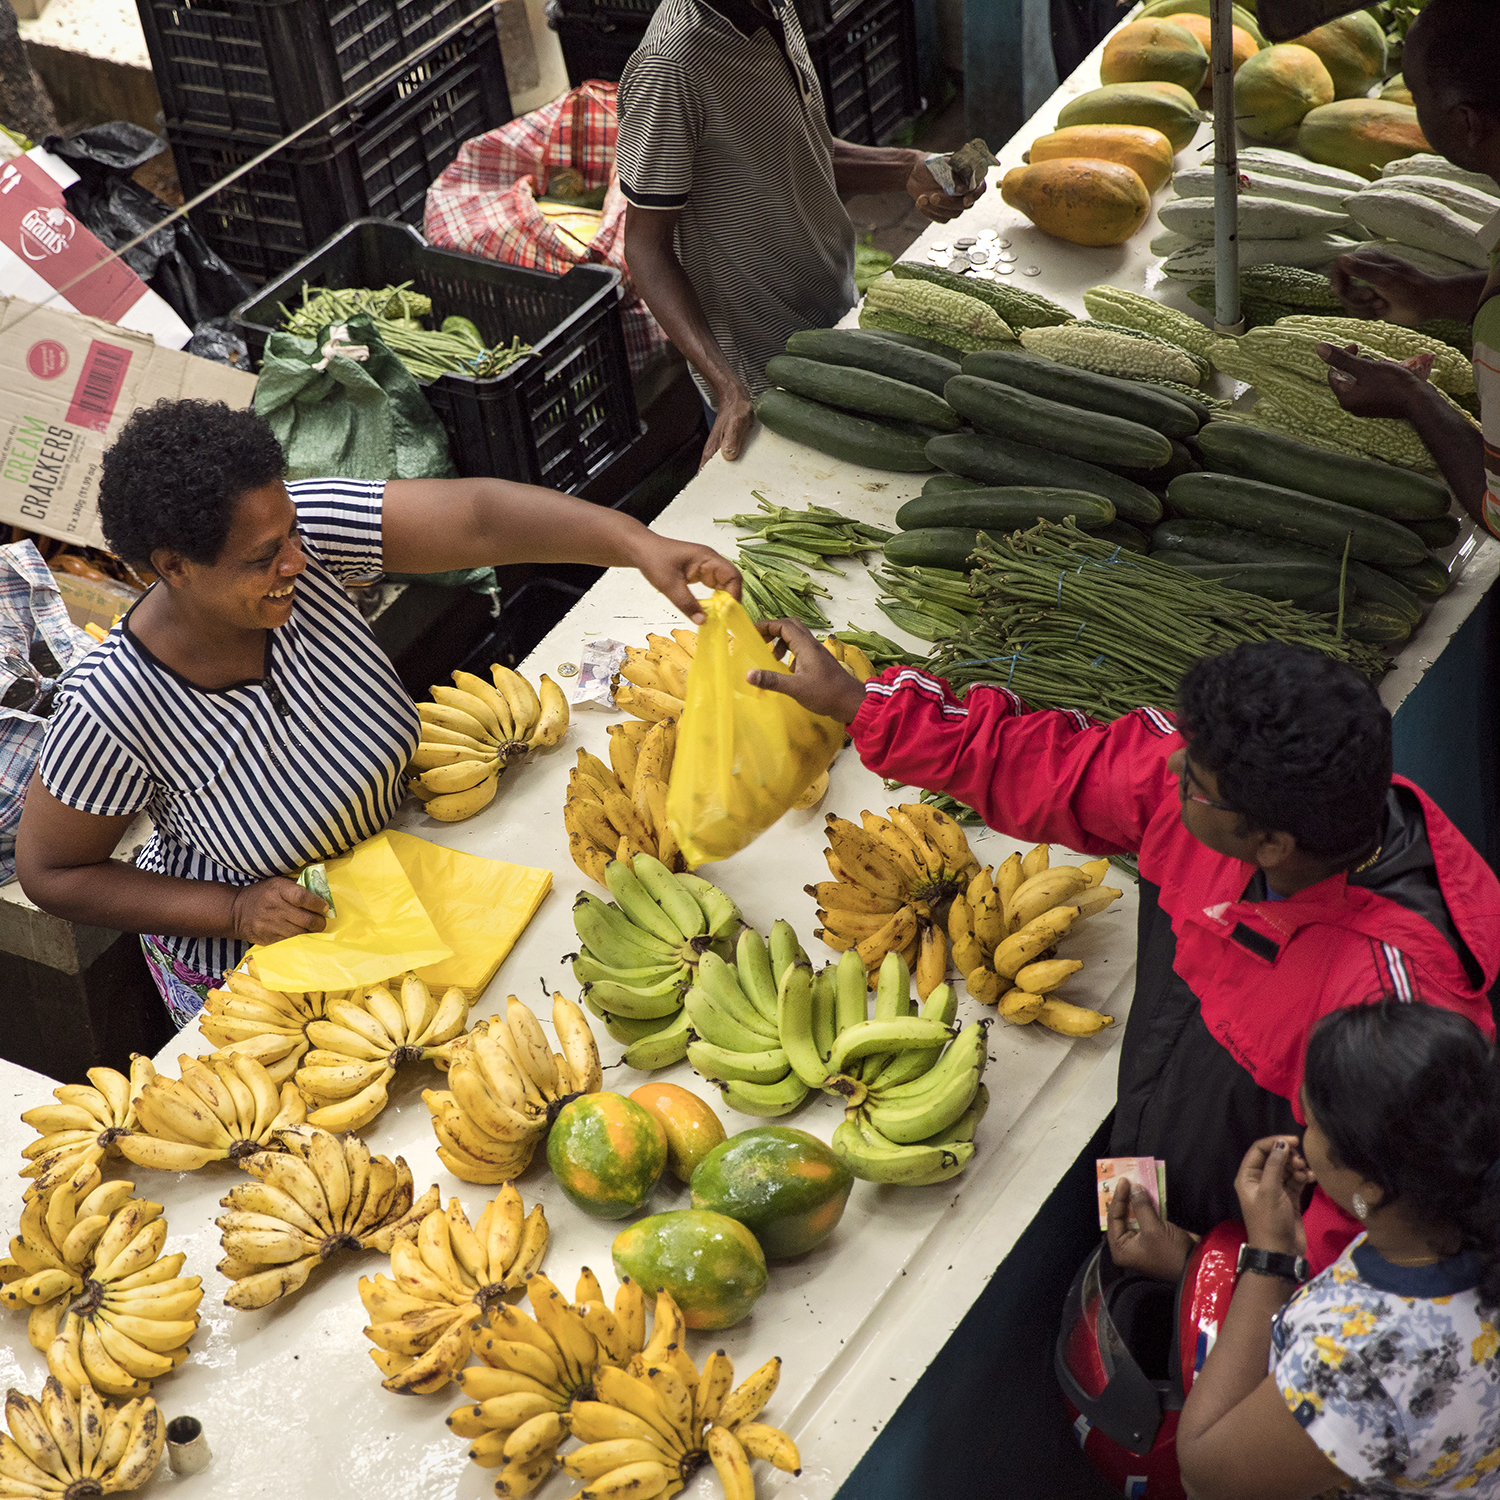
x: 1182, y: 786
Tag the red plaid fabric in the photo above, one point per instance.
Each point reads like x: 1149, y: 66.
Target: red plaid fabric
x: 485, y: 202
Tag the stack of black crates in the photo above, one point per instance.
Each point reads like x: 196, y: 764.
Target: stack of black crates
x: 237, y: 76
x: 865, y: 52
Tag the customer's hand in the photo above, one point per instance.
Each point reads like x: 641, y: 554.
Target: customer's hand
x: 1373, y: 283
x: 732, y: 424
x: 817, y: 681
x: 669, y: 566
x: 1154, y: 1247
x: 1367, y: 387
x: 274, y: 909
x: 1269, y: 1185
x: 933, y: 201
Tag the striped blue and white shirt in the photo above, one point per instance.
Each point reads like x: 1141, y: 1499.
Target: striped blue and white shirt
x: 264, y: 776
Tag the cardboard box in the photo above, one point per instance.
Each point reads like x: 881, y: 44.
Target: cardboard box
x: 90, y: 602
x: 67, y: 385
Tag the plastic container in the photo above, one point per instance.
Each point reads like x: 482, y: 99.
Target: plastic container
x: 867, y: 64
x: 261, y: 68
x: 554, y: 419
x: 266, y: 221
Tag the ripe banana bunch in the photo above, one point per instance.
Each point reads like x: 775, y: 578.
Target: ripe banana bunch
x: 732, y: 1012
x: 362, y: 1038
x: 107, y: 1308
x: 72, y: 1443
x: 222, y: 1108
x: 641, y: 952
x: 534, y: 1368
x: 473, y: 730
x: 85, y: 1126
x: 505, y: 1087
x: 652, y: 1427
x: 891, y: 876
x: 445, y: 1279
x: 268, y: 1025
x: 654, y: 677
x: 1004, y: 926
x: 618, y: 810
x: 319, y: 1194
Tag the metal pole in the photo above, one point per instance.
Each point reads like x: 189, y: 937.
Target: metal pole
x: 1227, y: 319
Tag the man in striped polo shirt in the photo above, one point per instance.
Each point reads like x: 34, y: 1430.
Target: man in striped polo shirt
x: 735, y: 234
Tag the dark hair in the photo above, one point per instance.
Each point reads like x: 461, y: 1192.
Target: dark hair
x: 1454, y: 43
x: 1409, y: 1097
x: 1298, y: 742
x: 173, y: 475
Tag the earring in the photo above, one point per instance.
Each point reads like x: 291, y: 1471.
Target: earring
x: 1361, y: 1208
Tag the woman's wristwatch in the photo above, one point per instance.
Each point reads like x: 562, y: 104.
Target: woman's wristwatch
x: 1273, y: 1263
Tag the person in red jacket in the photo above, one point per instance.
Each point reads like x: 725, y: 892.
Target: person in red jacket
x: 1285, y: 873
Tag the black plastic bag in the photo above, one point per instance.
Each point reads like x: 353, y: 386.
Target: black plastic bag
x: 175, y: 261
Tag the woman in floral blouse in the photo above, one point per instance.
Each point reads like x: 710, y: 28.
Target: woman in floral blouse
x: 1384, y: 1377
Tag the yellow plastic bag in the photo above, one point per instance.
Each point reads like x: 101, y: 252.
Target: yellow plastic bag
x: 744, y: 754
x: 404, y: 903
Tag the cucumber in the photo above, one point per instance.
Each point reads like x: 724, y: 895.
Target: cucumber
x: 841, y: 434
x: 916, y: 341
x: 861, y: 391
x: 1381, y: 489
x: 1119, y: 398
x: 1371, y: 586
x: 1122, y: 534
x: 1294, y: 517
x: 1428, y: 579
x: 861, y: 350
x: 948, y: 484
x: 1014, y: 508
x: 1182, y: 461
x: 934, y: 547
x: 1290, y: 582
x: 1003, y: 461
x: 1439, y: 531
x: 1092, y: 436
x: 1375, y: 624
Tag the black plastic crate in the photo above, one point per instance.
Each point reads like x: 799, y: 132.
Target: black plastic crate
x: 597, y: 48
x: 269, y: 219
x: 815, y: 15
x: 262, y: 68
x: 556, y: 418
x: 867, y: 65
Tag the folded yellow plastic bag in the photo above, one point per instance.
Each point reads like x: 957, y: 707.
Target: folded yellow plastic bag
x: 744, y: 754
x: 404, y: 903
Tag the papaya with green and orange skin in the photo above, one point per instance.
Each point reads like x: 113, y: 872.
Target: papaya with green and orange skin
x: 607, y: 1152
x: 785, y: 1186
x: 691, y: 1127
x: 712, y: 1265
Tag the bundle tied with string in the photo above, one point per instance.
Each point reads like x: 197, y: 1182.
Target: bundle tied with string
x: 1068, y: 621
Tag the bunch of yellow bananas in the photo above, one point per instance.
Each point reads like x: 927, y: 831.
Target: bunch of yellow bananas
x: 892, y: 877
x: 535, y: 1367
x: 319, y: 1194
x: 71, y: 1444
x: 642, y: 951
x: 505, y: 1086
x: 445, y: 1280
x: 620, y: 810
x: 1006, y: 923
x: 652, y: 1427
x: 654, y: 678
x: 269, y: 1025
x: 220, y: 1109
x: 85, y: 1126
x: 473, y: 730
x: 362, y: 1038
x: 107, y: 1308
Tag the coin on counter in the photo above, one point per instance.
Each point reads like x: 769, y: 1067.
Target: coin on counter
x: 1031, y: 270
x: 1007, y: 256
x: 937, y: 257
x: 986, y: 234
x: 958, y: 265
x: 983, y: 273
x: 964, y: 243
x: 940, y: 245
x: 1004, y: 270
x: 979, y: 256
x: 1004, y: 244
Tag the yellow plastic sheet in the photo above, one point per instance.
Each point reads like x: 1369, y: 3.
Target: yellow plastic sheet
x: 404, y: 903
x: 744, y: 754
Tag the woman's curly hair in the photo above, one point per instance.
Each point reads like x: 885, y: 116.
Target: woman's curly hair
x: 172, y: 477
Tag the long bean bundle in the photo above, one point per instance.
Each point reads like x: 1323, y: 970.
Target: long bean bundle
x: 1068, y: 621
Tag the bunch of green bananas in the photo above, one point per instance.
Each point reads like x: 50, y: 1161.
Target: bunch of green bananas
x: 642, y: 951
x: 732, y: 1009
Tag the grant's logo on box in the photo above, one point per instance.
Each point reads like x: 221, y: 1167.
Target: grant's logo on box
x: 46, y: 359
x: 46, y: 231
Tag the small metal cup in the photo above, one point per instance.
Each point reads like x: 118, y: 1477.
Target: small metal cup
x: 187, y: 1448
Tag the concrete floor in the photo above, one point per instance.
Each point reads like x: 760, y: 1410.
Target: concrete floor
x: 891, y: 219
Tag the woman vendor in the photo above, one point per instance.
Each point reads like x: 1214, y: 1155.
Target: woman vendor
x: 243, y: 702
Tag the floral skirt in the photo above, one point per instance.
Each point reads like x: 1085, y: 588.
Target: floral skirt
x: 183, y: 990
